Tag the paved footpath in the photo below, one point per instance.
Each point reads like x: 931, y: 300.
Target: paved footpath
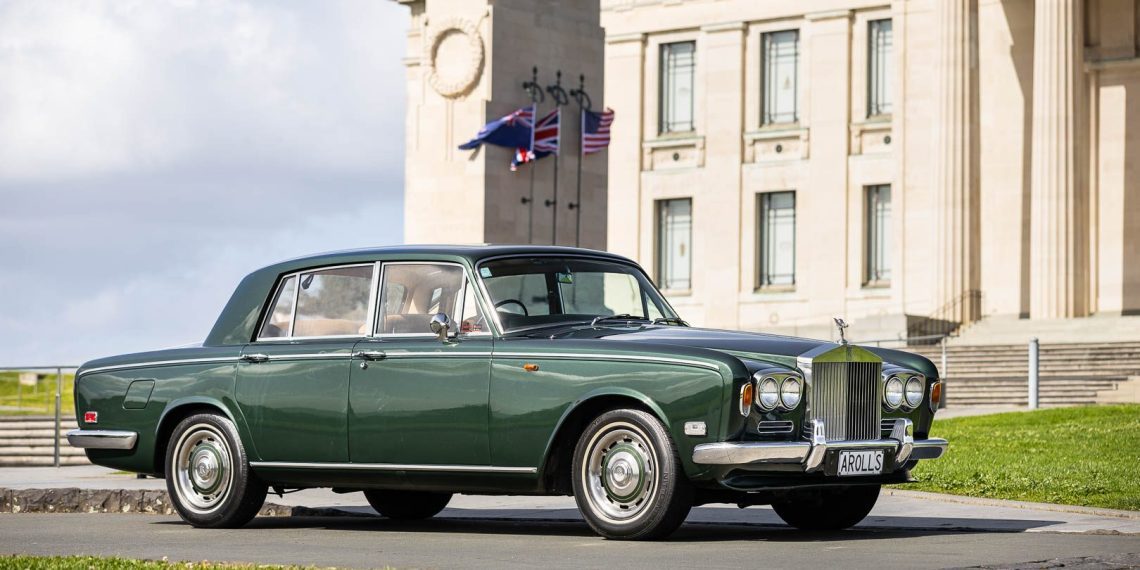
x: 906, y: 530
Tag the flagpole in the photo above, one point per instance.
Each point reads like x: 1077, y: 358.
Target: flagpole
x: 584, y: 104
x: 560, y: 98
x: 535, y: 91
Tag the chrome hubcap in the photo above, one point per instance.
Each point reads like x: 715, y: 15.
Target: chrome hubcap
x: 619, y: 473
x: 201, y: 469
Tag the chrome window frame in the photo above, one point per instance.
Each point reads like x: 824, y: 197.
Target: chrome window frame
x: 495, y: 314
x: 460, y: 306
x: 296, y: 296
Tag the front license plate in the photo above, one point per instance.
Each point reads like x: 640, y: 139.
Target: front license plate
x: 861, y: 462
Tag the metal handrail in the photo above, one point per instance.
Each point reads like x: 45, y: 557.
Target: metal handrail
x: 58, y: 397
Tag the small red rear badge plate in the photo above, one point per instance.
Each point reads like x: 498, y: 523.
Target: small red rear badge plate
x: 90, y: 417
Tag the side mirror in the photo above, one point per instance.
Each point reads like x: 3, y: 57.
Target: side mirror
x: 440, y: 325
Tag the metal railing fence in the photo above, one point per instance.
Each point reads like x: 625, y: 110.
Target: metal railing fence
x: 57, y: 404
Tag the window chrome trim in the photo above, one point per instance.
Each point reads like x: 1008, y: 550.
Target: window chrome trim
x: 608, y: 358
x: 393, y: 467
x: 296, y: 297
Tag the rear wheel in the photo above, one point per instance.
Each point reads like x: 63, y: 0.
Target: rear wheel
x: 828, y: 509
x: 628, y: 480
x: 407, y: 505
x: 208, y: 475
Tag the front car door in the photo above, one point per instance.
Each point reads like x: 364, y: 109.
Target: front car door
x: 416, y: 402
x: 292, y: 381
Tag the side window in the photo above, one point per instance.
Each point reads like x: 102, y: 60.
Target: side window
x: 280, y: 319
x: 334, y: 302
x: 413, y: 292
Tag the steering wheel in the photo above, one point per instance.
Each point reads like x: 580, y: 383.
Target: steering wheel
x: 513, y: 302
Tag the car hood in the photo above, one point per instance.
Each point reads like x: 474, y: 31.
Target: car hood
x: 778, y: 349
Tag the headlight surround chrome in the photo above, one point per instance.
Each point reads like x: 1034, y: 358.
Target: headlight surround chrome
x: 893, y: 393
x: 914, y: 391
x: 791, y: 392
x: 767, y: 393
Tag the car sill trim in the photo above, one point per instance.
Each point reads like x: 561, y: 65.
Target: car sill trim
x: 393, y: 467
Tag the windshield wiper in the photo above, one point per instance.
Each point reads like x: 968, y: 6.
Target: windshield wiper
x: 670, y: 321
x: 621, y: 317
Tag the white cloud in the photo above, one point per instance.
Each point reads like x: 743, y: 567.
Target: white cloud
x: 152, y: 153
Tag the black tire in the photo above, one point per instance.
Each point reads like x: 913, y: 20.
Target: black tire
x: 642, y: 494
x: 208, y: 475
x: 828, y: 509
x: 407, y: 505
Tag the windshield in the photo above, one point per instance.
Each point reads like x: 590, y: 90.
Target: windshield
x: 540, y: 291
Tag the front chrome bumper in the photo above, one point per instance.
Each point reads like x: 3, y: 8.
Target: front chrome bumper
x: 102, y: 439
x: 811, y: 454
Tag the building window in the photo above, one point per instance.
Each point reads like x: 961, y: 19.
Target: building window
x: 678, y: 63
x: 777, y: 247
x: 674, y: 239
x: 878, y: 250
x: 780, y: 61
x: 880, y: 68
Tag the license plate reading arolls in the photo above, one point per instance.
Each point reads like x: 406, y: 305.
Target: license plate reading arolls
x: 861, y: 462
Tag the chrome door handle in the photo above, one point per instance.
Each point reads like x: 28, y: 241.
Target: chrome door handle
x: 370, y: 355
x: 255, y: 358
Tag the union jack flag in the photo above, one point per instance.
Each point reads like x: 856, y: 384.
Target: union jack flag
x: 596, y: 130
x: 544, y: 140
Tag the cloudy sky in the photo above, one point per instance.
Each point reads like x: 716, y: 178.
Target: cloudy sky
x: 153, y: 152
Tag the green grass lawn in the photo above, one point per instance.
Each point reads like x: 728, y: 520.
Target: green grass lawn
x: 97, y: 563
x: 1086, y: 456
x: 38, y: 400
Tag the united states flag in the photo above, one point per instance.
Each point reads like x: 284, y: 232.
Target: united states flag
x: 596, y: 130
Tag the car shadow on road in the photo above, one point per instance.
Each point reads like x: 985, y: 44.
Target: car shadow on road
x: 567, y: 522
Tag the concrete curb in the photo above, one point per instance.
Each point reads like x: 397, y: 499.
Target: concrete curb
x: 982, y: 501
x: 148, y: 501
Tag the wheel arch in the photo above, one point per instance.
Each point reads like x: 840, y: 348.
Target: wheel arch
x: 554, y: 474
x: 175, y: 412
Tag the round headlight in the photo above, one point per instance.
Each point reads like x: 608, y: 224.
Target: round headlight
x: 893, y: 395
x: 768, y: 395
x: 914, y: 390
x: 790, y: 391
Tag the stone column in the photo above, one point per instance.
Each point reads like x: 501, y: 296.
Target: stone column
x: 1059, y: 209
x: 954, y: 166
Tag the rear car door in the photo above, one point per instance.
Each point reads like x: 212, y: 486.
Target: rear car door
x: 292, y: 381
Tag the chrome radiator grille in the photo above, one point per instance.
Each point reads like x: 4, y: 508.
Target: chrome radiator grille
x: 845, y: 395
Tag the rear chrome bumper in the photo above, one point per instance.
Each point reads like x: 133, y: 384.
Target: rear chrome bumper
x: 811, y: 454
x: 102, y: 439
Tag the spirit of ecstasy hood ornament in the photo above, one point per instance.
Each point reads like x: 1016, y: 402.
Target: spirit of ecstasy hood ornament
x: 841, y: 325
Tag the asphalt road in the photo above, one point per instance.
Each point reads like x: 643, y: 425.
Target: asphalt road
x: 485, y: 542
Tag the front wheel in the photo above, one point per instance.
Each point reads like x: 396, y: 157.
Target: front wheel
x: 628, y: 480
x: 829, y: 509
x: 208, y: 475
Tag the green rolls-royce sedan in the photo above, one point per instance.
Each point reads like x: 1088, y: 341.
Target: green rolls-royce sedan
x: 413, y: 373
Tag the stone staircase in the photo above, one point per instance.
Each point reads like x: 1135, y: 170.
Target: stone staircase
x: 27, y: 441
x: 1071, y: 374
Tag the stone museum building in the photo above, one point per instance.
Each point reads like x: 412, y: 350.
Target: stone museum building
x: 774, y: 164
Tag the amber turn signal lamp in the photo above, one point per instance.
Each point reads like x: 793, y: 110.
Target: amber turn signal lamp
x: 530, y: 367
x: 746, y: 393
x: 935, y: 396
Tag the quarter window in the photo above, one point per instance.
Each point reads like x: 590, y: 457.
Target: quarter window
x: 333, y: 302
x: 678, y: 64
x: 414, y: 292
x: 777, y: 247
x: 780, y: 61
x: 878, y: 240
x: 280, y: 319
x: 674, y: 239
x: 880, y: 68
